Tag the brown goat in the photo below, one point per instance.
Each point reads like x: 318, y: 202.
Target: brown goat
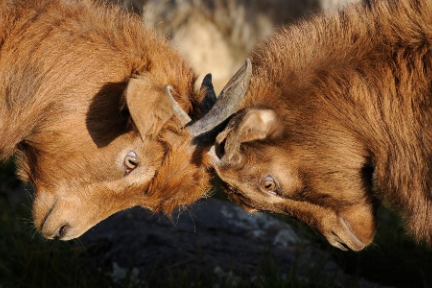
x: 338, y: 119
x: 84, y: 107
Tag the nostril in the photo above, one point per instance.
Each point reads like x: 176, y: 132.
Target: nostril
x: 61, y: 232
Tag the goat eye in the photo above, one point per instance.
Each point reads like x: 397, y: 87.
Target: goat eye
x: 130, y: 162
x: 269, y: 184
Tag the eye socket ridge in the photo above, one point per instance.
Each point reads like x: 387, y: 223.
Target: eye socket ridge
x: 130, y: 162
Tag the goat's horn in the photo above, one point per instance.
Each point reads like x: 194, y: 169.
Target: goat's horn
x: 210, y: 96
x: 227, y: 103
x: 178, y: 110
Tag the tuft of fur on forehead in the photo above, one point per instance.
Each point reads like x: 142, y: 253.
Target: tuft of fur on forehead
x: 182, y: 178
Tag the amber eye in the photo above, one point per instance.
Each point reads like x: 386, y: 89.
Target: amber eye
x: 130, y: 162
x: 269, y: 185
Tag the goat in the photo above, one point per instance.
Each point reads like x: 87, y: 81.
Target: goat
x: 337, y: 119
x: 89, y: 101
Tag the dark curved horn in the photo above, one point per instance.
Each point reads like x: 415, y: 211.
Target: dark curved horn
x: 227, y: 103
x: 178, y: 110
x: 210, y: 96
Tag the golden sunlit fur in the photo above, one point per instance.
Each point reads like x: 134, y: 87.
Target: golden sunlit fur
x: 70, y: 113
x: 351, y: 92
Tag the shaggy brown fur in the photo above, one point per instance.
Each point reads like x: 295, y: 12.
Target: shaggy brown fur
x: 339, y: 116
x: 81, y: 86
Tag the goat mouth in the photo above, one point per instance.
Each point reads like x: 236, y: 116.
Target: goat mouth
x: 346, y: 240
x: 342, y: 246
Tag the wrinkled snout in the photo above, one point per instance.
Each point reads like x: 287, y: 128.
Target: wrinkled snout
x: 56, y: 231
x: 344, y: 238
x: 352, y: 230
x: 57, y: 227
x: 61, y: 217
x: 65, y: 217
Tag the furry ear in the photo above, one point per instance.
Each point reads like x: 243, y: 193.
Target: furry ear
x: 256, y: 125
x: 148, y: 105
x: 248, y: 126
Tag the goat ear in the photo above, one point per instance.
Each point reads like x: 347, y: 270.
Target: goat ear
x: 246, y: 127
x: 148, y: 105
x: 257, y: 125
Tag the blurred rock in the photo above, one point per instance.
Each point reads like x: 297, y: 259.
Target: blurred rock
x: 215, y: 36
x: 213, y: 236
